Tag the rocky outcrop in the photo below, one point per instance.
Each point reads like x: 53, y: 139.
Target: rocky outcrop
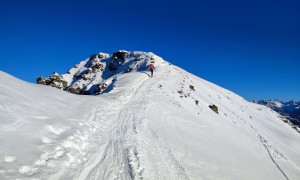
x: 100, y: 88
x: 118, y: 58
x: 55, y: 80
x: 74, y: 90
x: 98, y: 66
x: 119, y: 55
x: 192, y: 88
x: 214, y: 108
x: 100, y: 56
x: 41, y: 80
x: 92, y: 75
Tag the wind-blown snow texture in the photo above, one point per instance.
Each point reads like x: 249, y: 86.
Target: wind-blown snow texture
x: 142, y: 128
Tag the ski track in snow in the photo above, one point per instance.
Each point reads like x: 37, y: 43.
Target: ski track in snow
x: 169, y: 167
x: 270, y: 149
x: 115, y: 157
x: 119, y: 157
x: 272, y: 152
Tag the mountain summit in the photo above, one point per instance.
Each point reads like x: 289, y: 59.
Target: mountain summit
x: 172, y: 126
x: 98, y: 72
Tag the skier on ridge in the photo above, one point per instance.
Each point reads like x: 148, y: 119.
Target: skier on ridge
x: 152, y: 68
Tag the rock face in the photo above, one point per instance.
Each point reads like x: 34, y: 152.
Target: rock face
x: 55, y: 80
x: 192, y: 87
x: 100, y: 88
x: 214, y: 108
x: 118, y: 58
x: 96, y: 73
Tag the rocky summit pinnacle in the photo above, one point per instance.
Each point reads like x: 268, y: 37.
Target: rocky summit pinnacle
x: 97, y: 72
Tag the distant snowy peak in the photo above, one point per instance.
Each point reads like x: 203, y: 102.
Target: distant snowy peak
x: 273, y: 104
x: 280, y: 106
x: 97, y: 73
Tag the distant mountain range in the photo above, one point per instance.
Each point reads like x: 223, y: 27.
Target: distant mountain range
x: 289, y: 109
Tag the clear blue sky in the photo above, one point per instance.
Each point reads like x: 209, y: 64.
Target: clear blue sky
x: 249, y: 47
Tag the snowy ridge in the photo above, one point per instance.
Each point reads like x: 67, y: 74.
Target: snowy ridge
x: 172, y: 126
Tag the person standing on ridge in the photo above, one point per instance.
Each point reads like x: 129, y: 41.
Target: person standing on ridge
x: 152, y: 68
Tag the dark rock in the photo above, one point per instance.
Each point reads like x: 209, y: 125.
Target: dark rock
x: 100, y: 88
x: 88, y: 70
x: 192, y: 88
x: 214, y: 108
x: 100, y: 56
x: 55, y: 80
x: 41, y: 80
x: 197, y: 102
x: 77, y: 74
x: 74, y: 90
x: 98, y: 66
x: 118, y: 58
x: 119, y: 55
x: 84, y: 78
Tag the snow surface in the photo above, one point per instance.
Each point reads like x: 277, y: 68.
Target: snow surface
x: 143, y: 128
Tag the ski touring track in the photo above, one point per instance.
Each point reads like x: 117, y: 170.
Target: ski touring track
x: 132, y: 150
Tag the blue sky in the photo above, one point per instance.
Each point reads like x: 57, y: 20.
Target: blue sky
x: 249, y: 47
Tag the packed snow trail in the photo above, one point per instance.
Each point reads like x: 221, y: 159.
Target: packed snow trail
x: 111, y: 160
x: 119, y: 157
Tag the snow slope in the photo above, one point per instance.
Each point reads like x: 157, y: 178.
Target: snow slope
x: 142, y: 128
x: 291, y: 110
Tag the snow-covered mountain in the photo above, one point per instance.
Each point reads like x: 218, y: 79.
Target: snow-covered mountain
x: 98, y: 72
x: 172, y: 126
x: 290, y: 109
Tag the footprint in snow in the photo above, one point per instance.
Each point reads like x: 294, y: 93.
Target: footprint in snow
x: 46, y: 140
x: 29, y: 170
x: 10, y: 159
x: 56, y: 131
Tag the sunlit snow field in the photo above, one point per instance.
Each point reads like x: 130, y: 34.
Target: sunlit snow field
x: 142, y: 128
